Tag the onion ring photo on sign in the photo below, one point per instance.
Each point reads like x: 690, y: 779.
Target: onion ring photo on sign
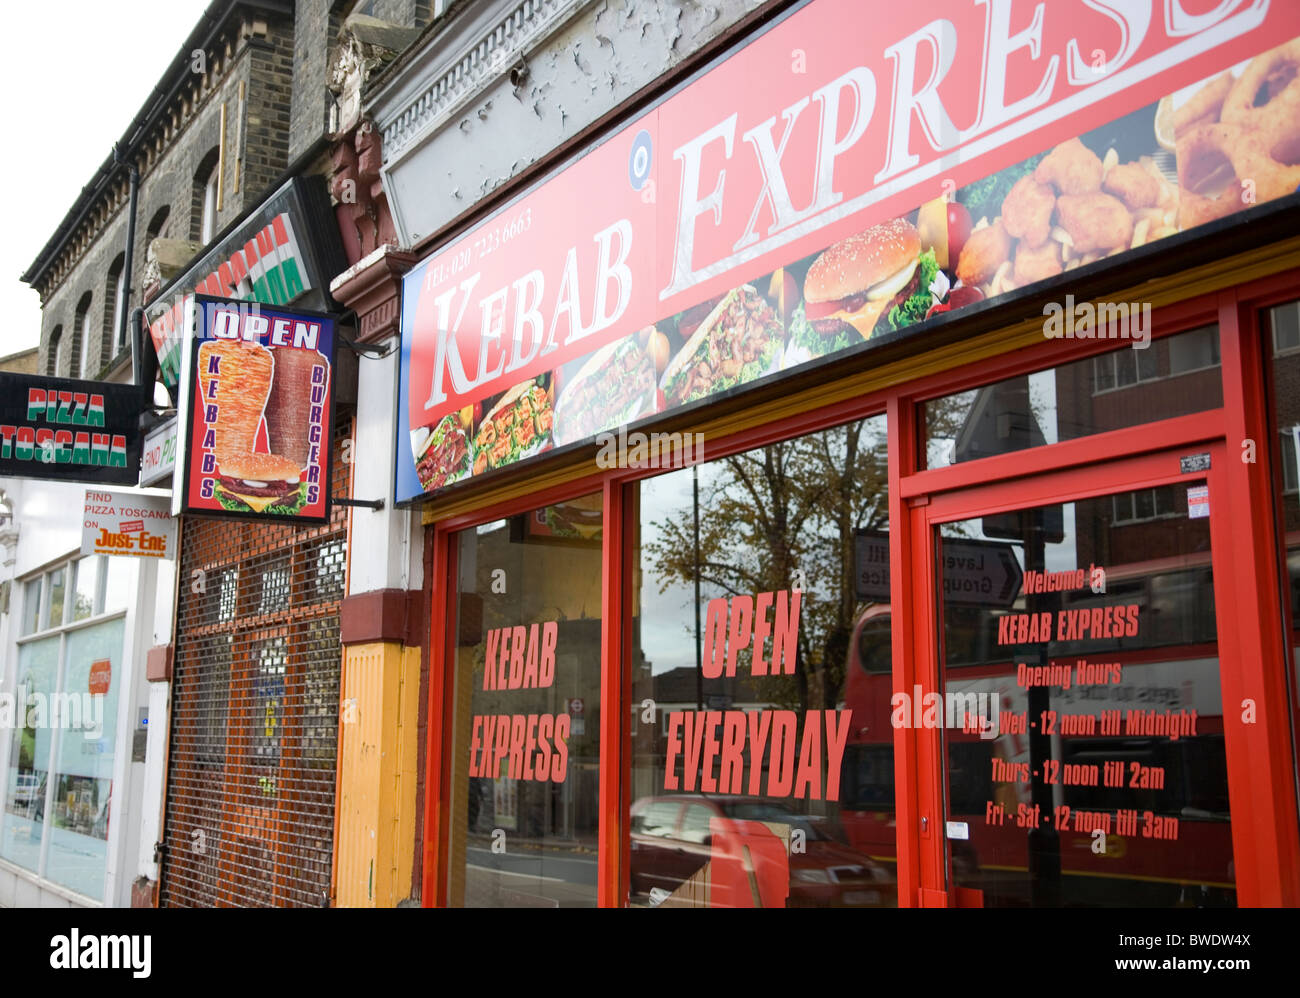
x: 1242, y: 147
x: 1266, y: 98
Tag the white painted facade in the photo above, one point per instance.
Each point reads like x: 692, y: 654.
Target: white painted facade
x: 44, y: 533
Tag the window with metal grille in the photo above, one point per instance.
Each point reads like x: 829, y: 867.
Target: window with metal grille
x: 254, y: 724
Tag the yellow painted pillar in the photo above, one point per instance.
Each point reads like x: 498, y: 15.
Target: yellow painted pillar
x: 377, y: 774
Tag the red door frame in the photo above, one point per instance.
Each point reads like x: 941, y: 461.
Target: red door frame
x: 1253, y: 869
x: 1261, y: 764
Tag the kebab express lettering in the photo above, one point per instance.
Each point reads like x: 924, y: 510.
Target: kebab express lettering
x: 61, y: 446
x: 781, y: 762
x: 534, y: 747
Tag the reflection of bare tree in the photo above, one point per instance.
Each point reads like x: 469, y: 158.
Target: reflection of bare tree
x: 771, y: 513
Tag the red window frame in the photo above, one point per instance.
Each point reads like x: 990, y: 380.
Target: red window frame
x: 1263, y: 776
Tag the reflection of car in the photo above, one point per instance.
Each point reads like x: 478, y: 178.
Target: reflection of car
x: 26, y: 789
x: 673, y: 837
x: 29, y: 795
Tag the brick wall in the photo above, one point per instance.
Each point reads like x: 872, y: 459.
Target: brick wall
x: 264, y: 65
x: 315, y: 31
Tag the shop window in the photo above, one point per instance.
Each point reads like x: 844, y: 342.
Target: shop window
x: 32, y: 605
x: 760, y: 617
x: 206, y: 179
x: 54, y: 355
x: 214, y: 678
x: 526, y: 730
x: 84, y: 333
x: 268, y: 698
x: 1113, y: 726
x: 1283, y: 326
x: 30, y: 745
x: 1123, y: 369
x: 320, y: 699
x: 1077, y: 399
x: 1285, y: 320
x: 57, y: 588
x: 1143, y: 505
x: 119, y: 582
x: 331, y: 568
x: 115, y: 304
x: 1289, y: 448
x: 1194, y: 351
x: 78, y: 852
x: 228, y: 583
x: 58, y: 788
x: 85, y: 591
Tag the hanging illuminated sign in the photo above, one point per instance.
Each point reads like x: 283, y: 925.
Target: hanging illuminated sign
x: 258, y: 412
x: 286, y: 248
x: 69, y: 430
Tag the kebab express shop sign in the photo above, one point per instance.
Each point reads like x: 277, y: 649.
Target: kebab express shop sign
x: 273, y: 258
x: 1106, y: 704
x: 258, y: 413
x: 68, y: 430
x: 823, y: 187
x: 125, y: 523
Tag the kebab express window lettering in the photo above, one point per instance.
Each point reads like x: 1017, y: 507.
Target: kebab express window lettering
x: 742, y: 744
x: 1092, y: 681
x: 532, y: 747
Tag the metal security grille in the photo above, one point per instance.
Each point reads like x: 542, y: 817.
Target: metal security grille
x: 254, y: 725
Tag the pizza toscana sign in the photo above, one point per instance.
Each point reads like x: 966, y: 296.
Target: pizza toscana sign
x: 259, y: 415
x: 825, y: 186
x: 70, y: 430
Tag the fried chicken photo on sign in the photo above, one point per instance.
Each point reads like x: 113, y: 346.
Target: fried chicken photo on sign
x: 1072, y: 167
x: 1027, y: 211
x: 985, y: 251
x: 1095, y: 221
x: 1133, y: 184
x: 1037, y: 264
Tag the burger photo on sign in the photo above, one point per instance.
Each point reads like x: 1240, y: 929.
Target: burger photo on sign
x: 873, y: 281
x: 260, y: 483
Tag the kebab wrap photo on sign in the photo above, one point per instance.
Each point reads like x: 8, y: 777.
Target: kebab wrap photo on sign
x: 288, y: 430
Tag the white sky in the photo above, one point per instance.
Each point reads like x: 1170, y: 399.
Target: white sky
x: 76, y: 74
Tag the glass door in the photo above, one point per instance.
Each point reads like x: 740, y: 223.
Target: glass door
x: 1079, y: 707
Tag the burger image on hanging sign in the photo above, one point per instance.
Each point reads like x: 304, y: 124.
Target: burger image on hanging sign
x: 858, y: 281
x: 260, y: 483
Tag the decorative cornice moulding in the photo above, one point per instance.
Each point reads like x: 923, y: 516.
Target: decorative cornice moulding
x: 445, y: 95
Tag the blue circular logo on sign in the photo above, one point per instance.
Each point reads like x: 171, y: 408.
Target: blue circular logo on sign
x: 640, y: 160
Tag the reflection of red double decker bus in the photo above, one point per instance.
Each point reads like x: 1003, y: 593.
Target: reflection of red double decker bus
x: 1124, y: 798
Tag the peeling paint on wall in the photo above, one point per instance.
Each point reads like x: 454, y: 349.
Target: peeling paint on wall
x: 600, y: 58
